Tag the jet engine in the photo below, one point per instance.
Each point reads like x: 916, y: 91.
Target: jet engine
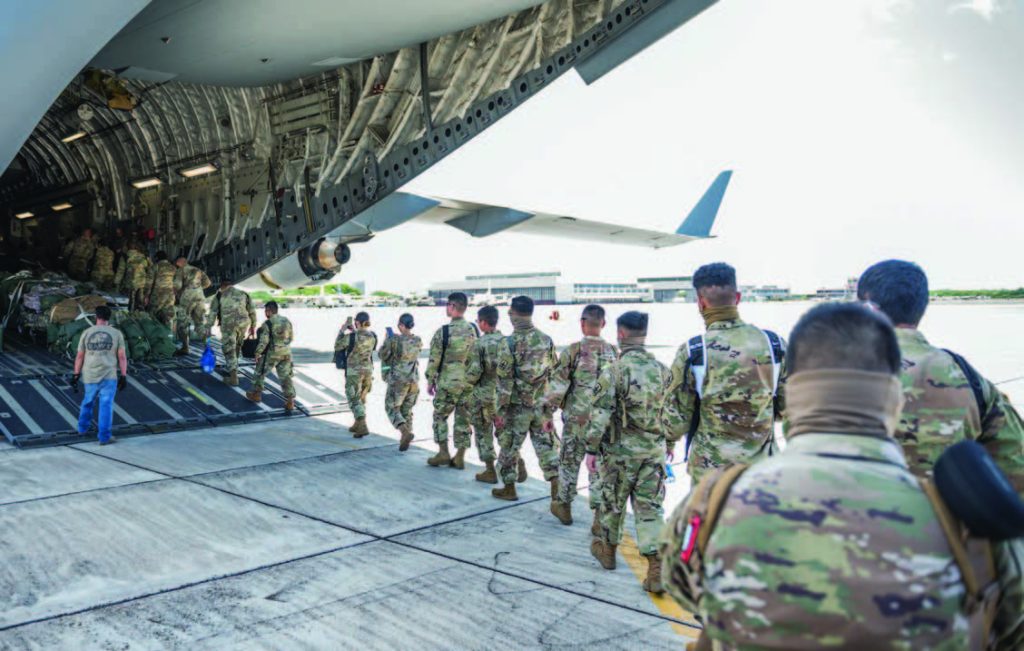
x: 313, y: 265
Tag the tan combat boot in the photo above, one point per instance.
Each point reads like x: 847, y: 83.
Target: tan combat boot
x: 358, y: 428
x: 232, y: 379
x: 508, y: 493
x: 289, y: 404
x: 562, y: 511
x: 255, y: 395
x: 652, y: 583
x: 604, y: 553
x: 442, y: 458
x: 554, y: 488
x: 521, y: 475
x: 459, y: 460
x: 488, y: 476
x: 403, y: 443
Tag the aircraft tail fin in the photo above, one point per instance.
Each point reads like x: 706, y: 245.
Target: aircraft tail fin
x: 700, y: 220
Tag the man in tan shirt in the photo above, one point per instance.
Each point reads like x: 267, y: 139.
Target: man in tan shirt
x: 101, y: 354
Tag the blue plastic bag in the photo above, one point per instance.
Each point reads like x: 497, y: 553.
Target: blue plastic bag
x: 208, y: 361
x: 670, y: 476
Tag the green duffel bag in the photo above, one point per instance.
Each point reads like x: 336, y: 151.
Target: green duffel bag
x: 161, y: 340
x: 134, y: 338
x: 65, y: 337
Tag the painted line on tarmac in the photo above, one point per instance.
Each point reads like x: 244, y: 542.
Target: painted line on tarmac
x: 663, y: 602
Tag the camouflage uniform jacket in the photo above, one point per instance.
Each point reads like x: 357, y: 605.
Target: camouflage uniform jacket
x: 737, y: 412
x: 189, y: 283
x: 940, y: 409
x: 832, y: 543
x: 282, y: 329
x: 399, y: 358
x: 533, y: 362
x: 361, y: 357
x: 627, y: 412
x: 461, y: 343
x: 232, y: 308
x: 103, y: 263
x: 574, y: 384
x: 490, y: 371
x: 163, y: 279
x: 133, y: 270
x: 80, y: 249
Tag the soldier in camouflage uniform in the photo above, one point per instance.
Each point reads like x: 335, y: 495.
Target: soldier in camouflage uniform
x: 730, y: 416
x: 574, y: 389
x: 832, y: 543
x: 79, y: 253
x: 160, y: 297
x: 133, y: 276
x: 446, y: 381
x: 189, y: 283
x: 103, y: 267
x: 533, y: 362
x: 360, y: 342
x: 273, y: 351
x: 940, y: 406
x: 629, y: 396
x: 400, y: 368
x: 490, y: 375
x: 232, y: 309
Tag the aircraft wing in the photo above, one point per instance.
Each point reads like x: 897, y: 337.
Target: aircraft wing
x: 483, y: 220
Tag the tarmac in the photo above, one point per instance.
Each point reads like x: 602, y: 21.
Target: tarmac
x: 292, y: 534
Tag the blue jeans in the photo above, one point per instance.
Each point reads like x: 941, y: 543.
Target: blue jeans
x: 105, y: 390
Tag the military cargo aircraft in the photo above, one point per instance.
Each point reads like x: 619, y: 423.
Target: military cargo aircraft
x: 262, y: 139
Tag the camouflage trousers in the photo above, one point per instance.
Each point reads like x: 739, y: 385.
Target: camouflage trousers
x: 520, y: 421
x: 136, y: 298
x: 574, y: 449
x: 358, y: 383
x: 161, y: 306
x: 399, y: 401
x: 639, y: 480
x: 280, y: 363
x: 231, y: 338
x: 191, y: 312
x: 78, y: 268
x: 447, y: 401
x: 481, y: 415
x: 103, y: 280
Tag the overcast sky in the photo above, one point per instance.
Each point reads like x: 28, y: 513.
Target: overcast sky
x: 857, y: 130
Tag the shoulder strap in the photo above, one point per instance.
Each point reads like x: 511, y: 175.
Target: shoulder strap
x: 512, y: 350
x: 982, y: 591
x: 973, y: 379
x: 445, y: 338
x: 696, y: 362
x: 476, y: 330
x: 778, y: 354
x: 716, y: 500
x: 351, y: 343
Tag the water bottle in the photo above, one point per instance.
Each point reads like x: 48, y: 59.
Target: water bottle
x: 208, y: 361
x: 670, y: 477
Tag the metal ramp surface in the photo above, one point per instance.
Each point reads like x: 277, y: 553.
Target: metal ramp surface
x: 37, y: 411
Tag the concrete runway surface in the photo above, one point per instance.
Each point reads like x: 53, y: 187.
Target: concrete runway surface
x: 292, y: 534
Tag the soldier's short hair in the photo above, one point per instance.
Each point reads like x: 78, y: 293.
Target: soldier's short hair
x: 225, y: 281
x: 634, y: 323
x: 362, y: 317
x: 458, y: 300
x: 407, y: 321
x: 103, y: 312
x: 161, y: 255
x: 488, y: 314
x: 716, y: 283
x: 898, y: 288
x: 271, y: 307
x: 593, y: 314
x: 522, y: 305
x: 844, y: 336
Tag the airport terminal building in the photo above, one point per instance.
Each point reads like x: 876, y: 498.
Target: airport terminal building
x: 551, y: 287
